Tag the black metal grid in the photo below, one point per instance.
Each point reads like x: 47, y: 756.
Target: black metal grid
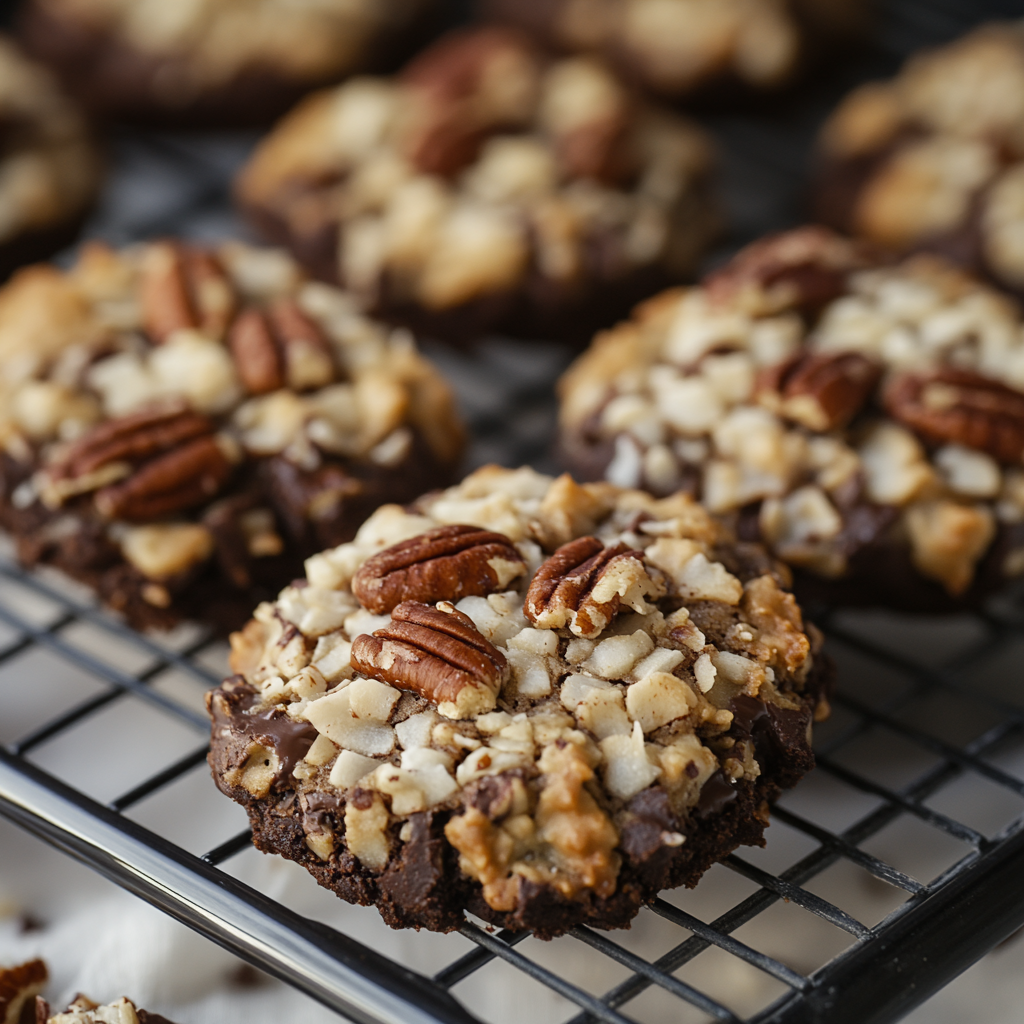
x: 941, y: 923
x: 933, y: 741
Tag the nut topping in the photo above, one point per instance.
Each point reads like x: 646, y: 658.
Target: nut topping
x: 469, y: 86
x: 170, y: 457
x: 132, y: 438
x: 183, y: 289
x: 583, y: 584
x: 962, y: 407
x: 821, y: 392
x: 444, y: 564
x: 803, y: 268
x: 437, y: 653
x: 280, y: 346
x: 182, y: 478
x: 255, y: 353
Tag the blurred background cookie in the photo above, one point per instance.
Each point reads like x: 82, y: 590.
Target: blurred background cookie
x: 214, y: 62
x: 681, y: 47
x: 865, y: 420
x: 934, y: 158
x: 49, y: 164
x: 181, y: 426
x: 487, y: 188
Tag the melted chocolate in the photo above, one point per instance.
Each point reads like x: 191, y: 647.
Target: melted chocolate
x: 322, y: 812
x: 290, y: 739
x: 716, y: 794
x: 776, y: 732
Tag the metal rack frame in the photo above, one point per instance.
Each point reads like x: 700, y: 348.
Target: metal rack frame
x: 942, y: 927
x: 943, y: 924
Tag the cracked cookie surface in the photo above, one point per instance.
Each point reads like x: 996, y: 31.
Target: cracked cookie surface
x: 605, y: 718
x: 180, y: 427
x: 487, y: 187
x: 863, y: 419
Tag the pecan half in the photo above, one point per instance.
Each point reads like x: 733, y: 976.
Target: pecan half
x: 468, y: 86
x: 182, y: 288
x: 280, y: 346
x: 132, y: 438
x: 443, y: 564
x: 180, y: 479
x: 801, y: 269
x: 437, y: 653
x: 167, y: 457
x: 821, y: 392
x: 255, y: 353
x: 584, y: 584
x: 960, y: 407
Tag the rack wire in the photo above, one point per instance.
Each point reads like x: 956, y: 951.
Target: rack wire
x: 940, y: 924
x: 888, y: 871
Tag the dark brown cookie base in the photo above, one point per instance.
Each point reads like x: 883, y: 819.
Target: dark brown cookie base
x: 226, y: 588
x: 115, y: 81
x: 38, y: 244
x: 538, y: 309
x: 423, y: 886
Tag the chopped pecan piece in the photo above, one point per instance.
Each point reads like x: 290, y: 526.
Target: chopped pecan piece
x: 443, y: 564
x: 583, y: 584
x: 821, y: 392
x: 437, y: 653
x: 960, y: 407
x: 182, y: 288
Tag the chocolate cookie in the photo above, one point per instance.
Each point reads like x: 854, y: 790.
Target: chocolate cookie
x: 865, y: 420
x: 49, y: 164
x: 84, y: 1011
x: 487, y: 188
x: 934, y: 159
x: 685, y: 47
x: 532, y: 700
x: 180, y: 427
x: 214, y: 62
x: 19, y: 987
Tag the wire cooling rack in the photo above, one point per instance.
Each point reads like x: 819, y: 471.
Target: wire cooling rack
x: 889, y: 870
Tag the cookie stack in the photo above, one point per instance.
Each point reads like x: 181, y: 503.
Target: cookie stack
x: 540, y: 700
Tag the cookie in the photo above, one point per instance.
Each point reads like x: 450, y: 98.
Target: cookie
x: 487, y: 188
x: 863, y: 419
x: 933, y: 160
x: 84, y: 1011
x: 50, y: 167
x: 19, y: 987
x: 688, y: 48
x: 211, y: 63
x: 180, y: 427
x: 532, y: 700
